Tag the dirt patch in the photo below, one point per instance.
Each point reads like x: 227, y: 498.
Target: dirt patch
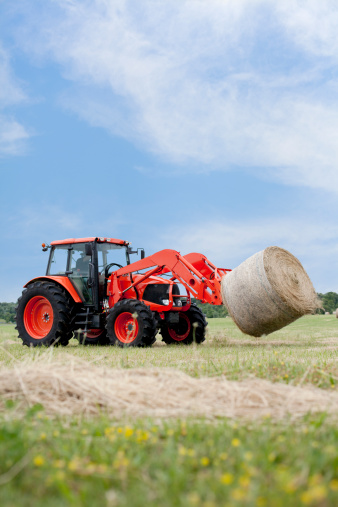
x: 80, y: 387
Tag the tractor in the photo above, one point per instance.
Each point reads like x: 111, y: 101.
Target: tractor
x: 93, y: 292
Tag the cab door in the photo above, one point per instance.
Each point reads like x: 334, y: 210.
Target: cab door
x: 79, y: 272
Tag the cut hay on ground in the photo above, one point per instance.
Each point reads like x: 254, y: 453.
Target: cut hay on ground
x: 268, y: 291
x: 83, y: 388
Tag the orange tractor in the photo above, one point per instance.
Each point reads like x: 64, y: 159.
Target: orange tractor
x: 93, y: 292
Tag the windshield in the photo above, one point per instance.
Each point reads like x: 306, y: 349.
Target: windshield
x: 108, y: 254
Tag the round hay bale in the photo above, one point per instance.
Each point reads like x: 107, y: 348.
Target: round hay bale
x: 268, y: 291
x: 336, y: 313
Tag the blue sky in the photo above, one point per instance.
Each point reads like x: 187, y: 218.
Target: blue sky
x: 196, y: 125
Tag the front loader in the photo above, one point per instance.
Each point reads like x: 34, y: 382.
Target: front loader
x: 92, y: 292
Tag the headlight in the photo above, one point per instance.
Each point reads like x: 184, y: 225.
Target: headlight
x: 165, y: 301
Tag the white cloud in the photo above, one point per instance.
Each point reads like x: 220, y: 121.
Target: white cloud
x: 223, y: 83
x: 313, y: 24
x: 12, y: 133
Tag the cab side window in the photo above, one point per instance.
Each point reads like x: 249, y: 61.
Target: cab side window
x: 58, y: 263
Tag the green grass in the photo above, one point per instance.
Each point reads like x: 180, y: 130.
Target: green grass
x: 105, y: 462
x: 304, y: 352
x: 100, y: 462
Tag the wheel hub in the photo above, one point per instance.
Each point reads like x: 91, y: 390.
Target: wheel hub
x: 46, y: 317
x: 126, y: 327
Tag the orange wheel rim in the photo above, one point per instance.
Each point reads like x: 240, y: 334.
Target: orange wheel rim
x: 38, y: 317
x: 126, y: 327
x: 183, y: 331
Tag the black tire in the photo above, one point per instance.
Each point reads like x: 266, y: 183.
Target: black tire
x: 44, y: 315
x: 92, y: 337
x: 130, y: 323
x: 191, y: 328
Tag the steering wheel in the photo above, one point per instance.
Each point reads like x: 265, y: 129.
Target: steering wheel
x: 107, y: 268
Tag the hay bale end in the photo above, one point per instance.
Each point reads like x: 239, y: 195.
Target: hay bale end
x: 268, y: 291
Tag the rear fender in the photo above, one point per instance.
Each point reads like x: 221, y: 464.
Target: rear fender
x: 60, y: 280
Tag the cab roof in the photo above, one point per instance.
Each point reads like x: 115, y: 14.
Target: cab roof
x: 88, y: 240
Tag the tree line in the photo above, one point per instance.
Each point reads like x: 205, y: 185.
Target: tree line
x: 7, y: 311
x: 329, y: 301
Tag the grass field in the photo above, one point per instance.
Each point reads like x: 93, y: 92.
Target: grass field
x: 108, y: 461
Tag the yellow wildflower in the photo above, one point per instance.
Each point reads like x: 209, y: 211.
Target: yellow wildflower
x: 39, y: 460
x: 128, y: 432
x: 73, y: 464
x: 227, y: 479
x: 205, y: 461
x: 142, y: 435
x: 334, y: 484
x: 235, y: 442
x: 315, y: 494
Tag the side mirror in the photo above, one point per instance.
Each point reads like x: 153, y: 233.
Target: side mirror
x: 88, y: 249
x: 131, y: 251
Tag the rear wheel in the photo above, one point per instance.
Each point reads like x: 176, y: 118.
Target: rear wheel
x: 190, y: 328
x: 92, y: 337
x: 44, y: 315
x: 130, y: 323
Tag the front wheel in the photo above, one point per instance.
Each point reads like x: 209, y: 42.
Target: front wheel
x: 130, y: 323
x: 44, y: 315
x: 190, y: 328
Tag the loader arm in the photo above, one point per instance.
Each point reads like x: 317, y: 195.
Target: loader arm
x: 200, y: 277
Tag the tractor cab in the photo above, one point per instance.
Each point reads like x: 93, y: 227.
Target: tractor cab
x: 87, y: 262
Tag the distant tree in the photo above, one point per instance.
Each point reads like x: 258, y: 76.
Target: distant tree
x: 7, y: 312
x: 212, y: 311
x: 329, y: 301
